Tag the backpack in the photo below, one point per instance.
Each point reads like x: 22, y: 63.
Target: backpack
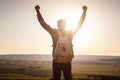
x: 63, y: 51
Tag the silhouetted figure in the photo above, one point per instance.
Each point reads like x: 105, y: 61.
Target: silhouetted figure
x: 62, y: 63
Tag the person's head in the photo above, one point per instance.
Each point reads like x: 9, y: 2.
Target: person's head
x: 61, y: 24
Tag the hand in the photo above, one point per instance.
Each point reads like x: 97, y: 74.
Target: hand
x: 84, y: 8
x: 37, y: 7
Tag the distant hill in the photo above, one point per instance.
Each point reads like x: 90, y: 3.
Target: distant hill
x: 78, y: 58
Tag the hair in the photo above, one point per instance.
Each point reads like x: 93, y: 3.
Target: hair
x: 61, y: 22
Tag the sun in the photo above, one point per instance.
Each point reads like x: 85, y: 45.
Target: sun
x: 71, y: 20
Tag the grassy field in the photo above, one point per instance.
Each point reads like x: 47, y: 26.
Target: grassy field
x: 80, y: 77
x: 42, y: 70
x: 96, y: 69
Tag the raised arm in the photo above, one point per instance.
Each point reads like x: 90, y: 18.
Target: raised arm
x: 81, y: 19
x: 41, y: 20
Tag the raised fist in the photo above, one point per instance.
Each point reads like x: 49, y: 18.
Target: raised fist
x: 37, y: 7
x: 84, y: 8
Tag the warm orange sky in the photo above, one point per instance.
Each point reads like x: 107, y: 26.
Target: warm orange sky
x: 20, y: 31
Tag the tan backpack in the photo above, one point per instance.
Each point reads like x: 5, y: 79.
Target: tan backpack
x: 63, y: 51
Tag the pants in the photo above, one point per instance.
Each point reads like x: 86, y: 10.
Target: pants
x: 65, y: 67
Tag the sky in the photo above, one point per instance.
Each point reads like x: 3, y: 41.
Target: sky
x: 21, y: 33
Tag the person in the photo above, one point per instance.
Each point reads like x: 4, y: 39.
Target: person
x: 58, y: 67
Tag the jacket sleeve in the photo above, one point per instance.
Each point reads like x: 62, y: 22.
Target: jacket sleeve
x: 79, y: 25
x: 43, y: 23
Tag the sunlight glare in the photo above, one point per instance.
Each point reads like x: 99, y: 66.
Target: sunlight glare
x: 83, y: 38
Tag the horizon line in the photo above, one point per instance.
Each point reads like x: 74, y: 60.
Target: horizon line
x: 51, y: 54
